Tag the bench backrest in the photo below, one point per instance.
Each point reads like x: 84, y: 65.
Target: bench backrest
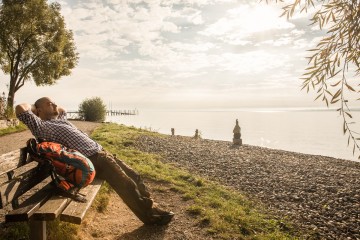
x: 18, y: 174
x: 12, y: 160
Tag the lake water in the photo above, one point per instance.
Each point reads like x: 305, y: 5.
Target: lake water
x: 316, y: 132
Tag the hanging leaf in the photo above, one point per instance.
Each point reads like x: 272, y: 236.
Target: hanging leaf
x: 333, y: 17
x: 337, y: 94
x: 348, y: 114
x: 318, y: 96
x: 349, y: 87
x: 335, y: 84
x: 354, y: 149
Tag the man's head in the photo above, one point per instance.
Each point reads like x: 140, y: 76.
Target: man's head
x: 46, y: 109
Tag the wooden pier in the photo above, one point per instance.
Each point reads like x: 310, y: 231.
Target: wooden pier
x: 121, y: 112
x: 72, y: 114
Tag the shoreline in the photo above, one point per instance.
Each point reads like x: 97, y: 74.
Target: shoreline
x: 319, y: 194
x: 290, y: 130
x: 250, y: 145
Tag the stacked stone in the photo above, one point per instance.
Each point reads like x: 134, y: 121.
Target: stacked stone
x: 237, y: 135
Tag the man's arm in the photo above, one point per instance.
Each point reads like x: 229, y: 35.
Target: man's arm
x: 25, y: 107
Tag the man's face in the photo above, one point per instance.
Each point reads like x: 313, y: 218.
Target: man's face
x: 48, y: 110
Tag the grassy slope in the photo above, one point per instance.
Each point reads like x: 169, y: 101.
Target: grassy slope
x: 226, y: 213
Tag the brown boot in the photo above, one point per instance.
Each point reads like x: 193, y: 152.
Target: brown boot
x: 160, y: 217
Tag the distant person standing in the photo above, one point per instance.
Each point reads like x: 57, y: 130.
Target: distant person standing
x: 48, y: 121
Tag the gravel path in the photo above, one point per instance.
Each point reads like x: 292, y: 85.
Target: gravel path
x: 320, y: 194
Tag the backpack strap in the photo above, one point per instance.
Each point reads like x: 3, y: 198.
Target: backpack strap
x: 70, y: 191
x: 76, y: 196
x: 31, y: 147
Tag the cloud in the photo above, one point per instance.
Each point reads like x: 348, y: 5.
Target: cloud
x: 135, y: 50
x: 192, y: 47
x: 110, y: 27
x: 242, y: 22
x: 254, y: 62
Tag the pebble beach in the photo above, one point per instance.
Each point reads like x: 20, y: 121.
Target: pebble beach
x: 320, y: 195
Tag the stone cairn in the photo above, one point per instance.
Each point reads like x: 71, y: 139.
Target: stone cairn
x: 197, y: 136
x: 237, y: 135
x: 172, y: 131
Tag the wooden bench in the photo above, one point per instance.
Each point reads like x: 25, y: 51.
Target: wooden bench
x: 28, y: 195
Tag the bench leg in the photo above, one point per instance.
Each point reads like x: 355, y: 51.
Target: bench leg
x: 37, y: 230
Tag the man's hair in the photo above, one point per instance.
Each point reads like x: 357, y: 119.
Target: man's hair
x: 40, y: 101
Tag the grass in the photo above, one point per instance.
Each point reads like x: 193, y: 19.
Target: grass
x: 61, y: 230
x: 225, y: 213
x: 14, y: 231
x: 19, y: 128
x: 102, y: 198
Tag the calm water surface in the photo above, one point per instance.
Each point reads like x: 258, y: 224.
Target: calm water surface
x: 305, y: 131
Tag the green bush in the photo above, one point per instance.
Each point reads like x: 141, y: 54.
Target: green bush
x: 93, y: 110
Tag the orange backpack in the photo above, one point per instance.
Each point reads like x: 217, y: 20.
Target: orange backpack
x: 71, y: 170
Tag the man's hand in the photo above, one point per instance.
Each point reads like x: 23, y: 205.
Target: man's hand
x: 61, y: 110
x: 25, y: 107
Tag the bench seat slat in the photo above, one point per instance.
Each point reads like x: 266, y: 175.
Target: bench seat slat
x: 27, y: 208
x: 52, y: 208
x: 22, y: 183
x: 75, y: 211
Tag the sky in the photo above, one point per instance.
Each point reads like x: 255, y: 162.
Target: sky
x: 181, y: 54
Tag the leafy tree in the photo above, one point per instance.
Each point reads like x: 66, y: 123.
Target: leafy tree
x: 34, y: 44
x: 93, y: 110
x: 336, y: 56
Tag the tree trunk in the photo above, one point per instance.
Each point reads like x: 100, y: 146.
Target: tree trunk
x: 11, y: 97
x: 10, y: 100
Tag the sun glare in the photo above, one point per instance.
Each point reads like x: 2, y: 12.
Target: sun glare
x: 245, y: 20
x: 259, y: 18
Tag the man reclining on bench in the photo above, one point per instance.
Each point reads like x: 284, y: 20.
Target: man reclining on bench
x: 48, y: 121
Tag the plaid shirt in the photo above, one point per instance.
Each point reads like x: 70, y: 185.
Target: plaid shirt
x: 60, y: 130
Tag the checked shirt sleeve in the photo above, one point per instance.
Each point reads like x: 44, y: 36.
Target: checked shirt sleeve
x: 31, y: 121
